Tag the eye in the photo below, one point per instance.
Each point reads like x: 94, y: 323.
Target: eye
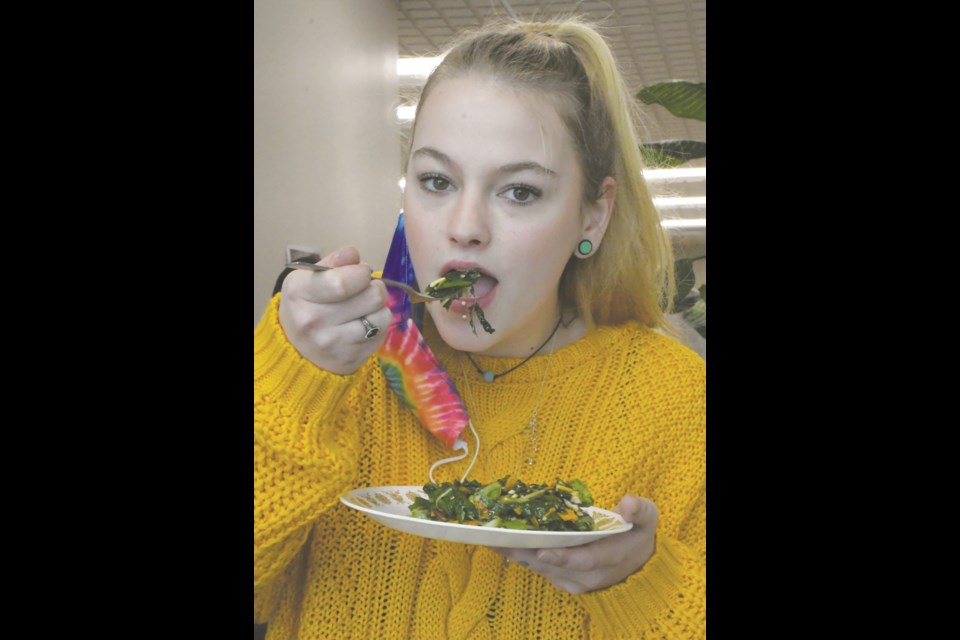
x: 434, y: 183
x: 521, y: 193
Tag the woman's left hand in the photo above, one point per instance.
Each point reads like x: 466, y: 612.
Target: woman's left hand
x: 599, y: 564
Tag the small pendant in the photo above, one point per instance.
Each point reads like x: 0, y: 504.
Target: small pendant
x: 488, y: 376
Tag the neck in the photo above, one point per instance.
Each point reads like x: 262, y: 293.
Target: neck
x: 560, y: 329
x: 570, y: 332
x: 490, y: 376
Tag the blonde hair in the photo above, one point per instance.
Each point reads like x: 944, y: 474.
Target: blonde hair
x: 630, y: 277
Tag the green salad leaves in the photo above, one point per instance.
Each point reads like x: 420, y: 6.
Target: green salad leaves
x: 508, y: 503
x: 453, y: 285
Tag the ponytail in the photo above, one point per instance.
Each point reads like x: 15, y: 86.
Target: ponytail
x: 630, y: 277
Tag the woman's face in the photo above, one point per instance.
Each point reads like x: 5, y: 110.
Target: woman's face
x: 493, y: 183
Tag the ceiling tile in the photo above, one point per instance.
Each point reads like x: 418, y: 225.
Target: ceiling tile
x: 422, y: 14
x: 429, y: 23
x: 458, y: 13
x: 653, y: 40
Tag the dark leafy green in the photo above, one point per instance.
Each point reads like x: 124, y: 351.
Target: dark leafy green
x: 453, y: 285
x: 508, y: 504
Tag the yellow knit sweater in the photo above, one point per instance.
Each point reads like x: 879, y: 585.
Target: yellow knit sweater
x: 623, y: 409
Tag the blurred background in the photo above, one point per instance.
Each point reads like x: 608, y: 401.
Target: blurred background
x: 334, y: 85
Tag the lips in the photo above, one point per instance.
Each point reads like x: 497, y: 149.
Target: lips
x: 481, y: 289
x: 484, y: 286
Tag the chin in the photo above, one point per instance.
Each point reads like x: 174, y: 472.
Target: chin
x: 456, y: 331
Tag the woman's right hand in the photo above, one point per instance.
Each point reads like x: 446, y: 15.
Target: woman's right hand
x: 320, y: 312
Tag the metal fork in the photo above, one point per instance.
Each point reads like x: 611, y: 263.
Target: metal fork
x: 417, y: 296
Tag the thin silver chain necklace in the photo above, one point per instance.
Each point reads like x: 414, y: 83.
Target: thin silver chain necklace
x: 532, y: 429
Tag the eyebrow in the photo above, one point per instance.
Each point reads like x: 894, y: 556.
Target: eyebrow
x: 514, y: 167
x: 517, y: 167
x: 436, y: 155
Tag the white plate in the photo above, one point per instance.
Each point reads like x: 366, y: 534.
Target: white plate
x: 390, y: 506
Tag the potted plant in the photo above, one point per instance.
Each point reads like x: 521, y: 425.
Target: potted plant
x: 683, y: 99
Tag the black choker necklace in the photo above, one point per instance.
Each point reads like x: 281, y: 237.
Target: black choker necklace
x: 490, y: 376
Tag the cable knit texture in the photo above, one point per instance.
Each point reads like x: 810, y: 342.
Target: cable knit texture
x: 623, y: 409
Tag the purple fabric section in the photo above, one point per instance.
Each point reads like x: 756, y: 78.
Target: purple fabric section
x: 410, y: 367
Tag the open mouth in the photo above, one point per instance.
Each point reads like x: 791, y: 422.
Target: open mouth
x: 476, y: 293
x: 481, y: 288
x: 469, y: 290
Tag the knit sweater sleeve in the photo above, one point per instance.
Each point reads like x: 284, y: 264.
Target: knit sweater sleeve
x: 306, y: 448
x: 666, y: 599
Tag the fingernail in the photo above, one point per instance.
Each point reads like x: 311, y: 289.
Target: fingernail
x: 549, y: 557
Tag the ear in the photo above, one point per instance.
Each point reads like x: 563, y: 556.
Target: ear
x: 596, y: 215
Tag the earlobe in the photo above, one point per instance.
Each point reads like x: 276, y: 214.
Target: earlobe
x: 596, y: 217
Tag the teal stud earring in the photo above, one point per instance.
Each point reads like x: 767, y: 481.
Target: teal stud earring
x: 585, y: 247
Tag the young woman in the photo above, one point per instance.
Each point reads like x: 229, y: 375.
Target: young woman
x: 524, y: 164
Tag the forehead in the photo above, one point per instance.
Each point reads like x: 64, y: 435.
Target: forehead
x: 492, y: 118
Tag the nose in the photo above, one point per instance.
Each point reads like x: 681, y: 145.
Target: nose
x: 468, y: 223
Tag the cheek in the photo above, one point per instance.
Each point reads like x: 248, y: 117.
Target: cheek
x: 538, y: 262
x: 556, y: 244
x: 417, y: 227
x: 419, y: 240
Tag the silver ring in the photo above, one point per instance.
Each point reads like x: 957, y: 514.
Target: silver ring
x: 371, y: 330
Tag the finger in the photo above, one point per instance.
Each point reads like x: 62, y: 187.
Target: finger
x: 628, y: 507
x: 337, y: 284
x: 592, y: 556
x: 329, y: 334
x: 333, y: 285
x: 642, y: 512
x: 584, y: 558
x: 610, y: 551
x: 368, y: 302
x: 561, y: 577
x: 381, y: 320
x: 523, y: 557
x: 568, y: 586
x: 342, y: 257
x: 319, y: 319
x: 569, y: 579
x: 339, y: 325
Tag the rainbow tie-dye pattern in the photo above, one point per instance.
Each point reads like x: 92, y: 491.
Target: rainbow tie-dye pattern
x: 411, y: 368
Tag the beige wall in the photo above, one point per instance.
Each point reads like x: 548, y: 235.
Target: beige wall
x: 325, y: 136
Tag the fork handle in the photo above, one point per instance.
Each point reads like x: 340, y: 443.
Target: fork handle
x: 413, y: 293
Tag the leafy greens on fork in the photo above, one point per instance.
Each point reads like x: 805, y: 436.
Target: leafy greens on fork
x: 452, y: 286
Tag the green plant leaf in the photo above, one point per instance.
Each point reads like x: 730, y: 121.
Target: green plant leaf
x: 685, y: 277
x: 702, y: 329
x: 682, y: 98
x: 654, y: 159
x: 671, y: 153
x: 696, y: 316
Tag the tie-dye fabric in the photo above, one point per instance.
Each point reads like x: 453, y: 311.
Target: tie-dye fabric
x: 411, y: 368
